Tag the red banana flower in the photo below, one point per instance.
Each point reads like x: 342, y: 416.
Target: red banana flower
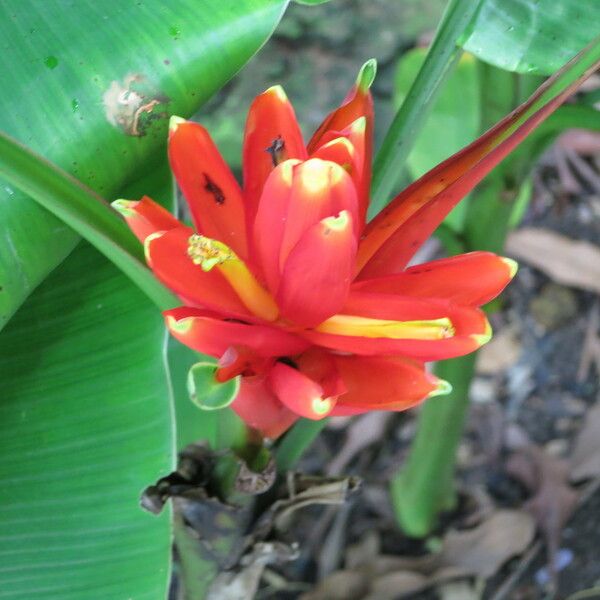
x: 288, y: 286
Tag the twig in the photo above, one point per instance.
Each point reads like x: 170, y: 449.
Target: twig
x: 502, y: 593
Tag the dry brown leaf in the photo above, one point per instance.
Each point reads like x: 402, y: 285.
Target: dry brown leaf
x: 364, y: 431
x: 242, y: 583
x: 484, y: 549
x: 400, y: 584
x: 341, y: 585
x: 569, y: 262
x: 585, y: 459
x: 552, y: 501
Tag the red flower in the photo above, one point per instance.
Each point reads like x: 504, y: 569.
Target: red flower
x: 287, y: 285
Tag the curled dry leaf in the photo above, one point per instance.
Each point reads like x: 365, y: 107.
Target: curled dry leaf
x: 364, y: 431
x: 484, y: 549
x: 585, y: 459
x: 242, y: 584
x: 552, y: 499
x: 568, y: 262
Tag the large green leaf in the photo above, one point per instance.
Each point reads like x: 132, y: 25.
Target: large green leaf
x: 85, y: 424
x: 90, y: 85
x: 532, y: 36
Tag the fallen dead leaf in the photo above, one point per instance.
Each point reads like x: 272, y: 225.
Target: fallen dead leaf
x: 552, y: 499
x: 242, y: 583
x: 569, y: 262
x: 585, y: 458
x: 484, y: 549
x: 400, y: 584
x: 341, y: 585
x: 364, y: 431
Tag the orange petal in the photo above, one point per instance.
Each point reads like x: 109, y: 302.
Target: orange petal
x: 384, y: 383
x: 213, y: 194
x: 167, y: 255
x: 269, y: 224
x: 259, y: 408
x: 299, y: 393
x: 145, y: 216
x: 204, y: 333
x: 358, y: 103
x: 471, y: 279
x: 348, y: 148
x: 318, y: 271
x: 395, y: 234
x: 320, y: 189
x: 272, y: 136
x: 380, y: 324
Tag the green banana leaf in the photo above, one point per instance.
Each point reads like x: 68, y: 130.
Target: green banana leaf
x: 86, y: 410
x: 532, y: 36
x: 90, y: 86
x: 86, y: 424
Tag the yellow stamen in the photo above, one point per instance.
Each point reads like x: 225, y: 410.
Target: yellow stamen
x: 436, y: 329
x: 208, y: 253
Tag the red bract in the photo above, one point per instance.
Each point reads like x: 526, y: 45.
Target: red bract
x: 287, y: 285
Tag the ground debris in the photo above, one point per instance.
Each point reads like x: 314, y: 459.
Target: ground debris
x: 573, y: 263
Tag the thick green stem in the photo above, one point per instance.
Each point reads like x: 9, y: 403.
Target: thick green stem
x: 296, y: 441
x: 441, y: 57
x: 424, y: 487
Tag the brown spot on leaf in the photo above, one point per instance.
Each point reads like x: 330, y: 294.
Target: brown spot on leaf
x: 133, y: 105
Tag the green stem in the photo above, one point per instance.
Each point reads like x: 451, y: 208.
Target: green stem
x: 83, y: 210
x: 424, y: 487
x: 441, y: 57
x: 296, y: 441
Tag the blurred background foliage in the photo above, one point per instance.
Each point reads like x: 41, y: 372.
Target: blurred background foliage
x: 315, y: 55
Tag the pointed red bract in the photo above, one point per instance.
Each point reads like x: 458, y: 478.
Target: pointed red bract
x: 300, y: 393
x: 317, y: 273
x: 272, y: 136
x: 259, y: 408
x: 471, y: 279
x: 207, y: 333
x: 393, y: 237
x: 382, y: 383
x: 267, y: 285
x: 145, y: 216
x: 212, y: 193
x: 167, y: 255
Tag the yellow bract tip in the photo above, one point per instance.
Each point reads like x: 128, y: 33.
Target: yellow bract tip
x: 181, y: 326
x: 339, y: 222
x: 442, y: 388
x: 485, y: 337
x: 278, y: 91
x: 175, y: 122
x: 321, y: 406
x: 513, y: 265
x: 124, y: 207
